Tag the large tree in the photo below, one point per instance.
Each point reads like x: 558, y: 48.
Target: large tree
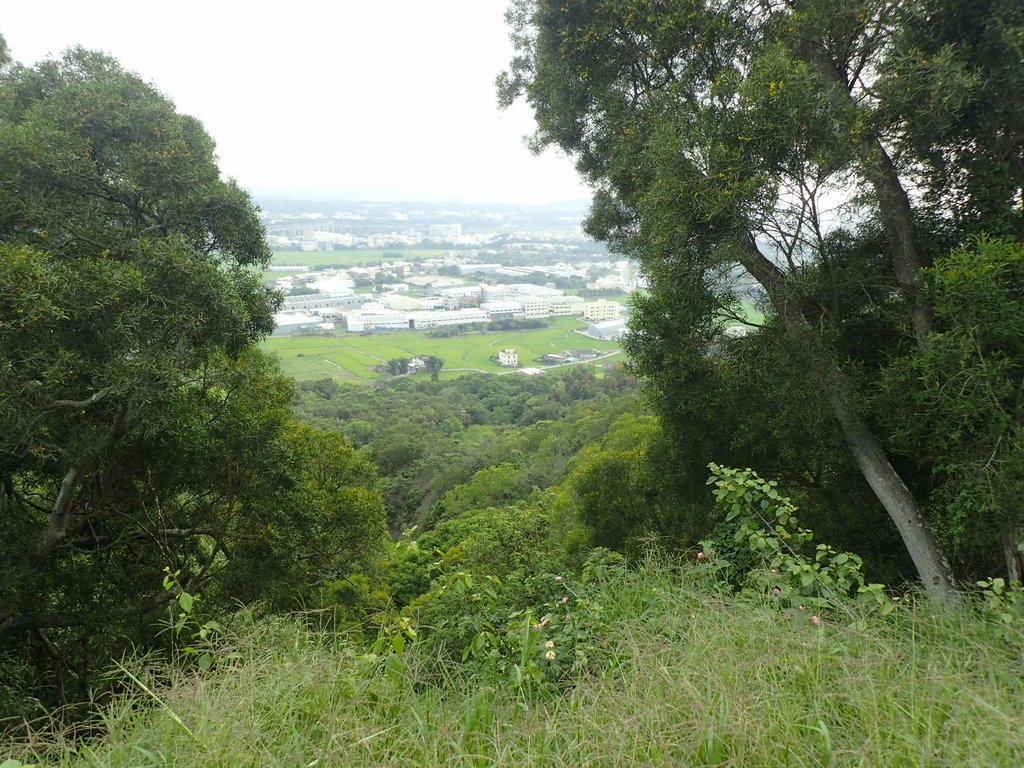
x: 731, y: 139
x: 140, y: 426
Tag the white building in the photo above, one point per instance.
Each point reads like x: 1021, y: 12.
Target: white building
x: 535, y: 306
x: 289, y: 322
x: 601, y: 310
x: 422, y: 320
x: 566, y: 305
x: 496, y: 293
x: 380, y: 320
x: 508, y: 358
x: 607, y: 329
x: 312, y: 302
x: 500, y: 309
x: 444, y: 230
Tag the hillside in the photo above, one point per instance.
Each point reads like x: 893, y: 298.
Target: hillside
x: 670, y: 672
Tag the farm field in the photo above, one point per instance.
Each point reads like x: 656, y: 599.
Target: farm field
x: 271, y: 275
x: 351, y: 357
x: 353, y: 258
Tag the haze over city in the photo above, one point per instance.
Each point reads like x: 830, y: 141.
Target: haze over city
x: 389, y: 100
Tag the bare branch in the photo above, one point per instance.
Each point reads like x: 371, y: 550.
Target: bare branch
x: 79, y: 404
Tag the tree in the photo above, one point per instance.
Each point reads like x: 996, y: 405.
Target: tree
x: 952, y: 89
x: 140, y: 428
x: 717, y: 137
x: 434, y: 365
x: 964, y: 414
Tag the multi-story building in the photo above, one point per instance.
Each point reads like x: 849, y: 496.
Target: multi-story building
x: 509, y: 358
x: 535, y: 306
x: 497, y: 310
x: 601, y: 310
x: 566, y: 305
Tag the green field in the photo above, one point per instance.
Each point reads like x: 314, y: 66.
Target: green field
x: 351, y: 357
x: 271, y: 275
x: 353, y: 258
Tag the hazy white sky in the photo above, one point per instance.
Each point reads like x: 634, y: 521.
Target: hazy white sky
x: 372, y: 99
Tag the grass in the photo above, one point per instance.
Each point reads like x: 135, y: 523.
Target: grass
x: 348, y: 357
x: 270, y: 275
x: 682, y: 676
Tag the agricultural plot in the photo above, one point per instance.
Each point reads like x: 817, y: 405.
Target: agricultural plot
x: 352, y: 357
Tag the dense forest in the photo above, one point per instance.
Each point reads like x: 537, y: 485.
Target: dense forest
x: 491, y: 553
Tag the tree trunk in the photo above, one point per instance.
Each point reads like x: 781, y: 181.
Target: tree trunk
x: 1013, y: 555
x: 932, y: 567
x: 877, y: 167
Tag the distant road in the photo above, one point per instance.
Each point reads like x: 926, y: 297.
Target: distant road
x: 542, y: 367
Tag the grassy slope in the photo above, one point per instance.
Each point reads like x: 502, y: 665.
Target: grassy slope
x: 681, y: 678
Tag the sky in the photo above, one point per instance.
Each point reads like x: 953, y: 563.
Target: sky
x: 371, y: 100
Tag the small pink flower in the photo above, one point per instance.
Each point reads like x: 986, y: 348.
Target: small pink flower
x: 700, y: 555
x: 815, y: 620
x: 776, y: 591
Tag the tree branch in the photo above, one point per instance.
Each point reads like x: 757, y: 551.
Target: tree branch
x: 79, y: 404
x: 103, y: 615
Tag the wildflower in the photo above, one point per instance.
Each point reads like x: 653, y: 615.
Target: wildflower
x: 815, y: 620
x: 776, y: 591
x: 549, y: 644
x: 559, y: 579
x: 540, y: 624
x: 802, y: 607
x: 565, y: 599
x: 550, y: 655
x: 700, y: 555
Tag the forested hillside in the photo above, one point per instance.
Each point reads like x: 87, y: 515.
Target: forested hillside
x: 862, y: 162
x: 801, y: 545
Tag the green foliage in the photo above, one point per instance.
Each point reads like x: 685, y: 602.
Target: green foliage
x: 531, y: 633
x: 428, y: 439
x: 677, y: 674
x: 948, y: 85
x: 715, y: 136
x: 489, y: 487
x: 955, y: 406
x: 139, y: 425
x: 615, y: 487
x: 1003, y: 605
x: 788, y: 564
x: 192, y: 639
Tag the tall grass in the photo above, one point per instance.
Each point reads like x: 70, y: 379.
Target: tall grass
x: 682, y: 677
